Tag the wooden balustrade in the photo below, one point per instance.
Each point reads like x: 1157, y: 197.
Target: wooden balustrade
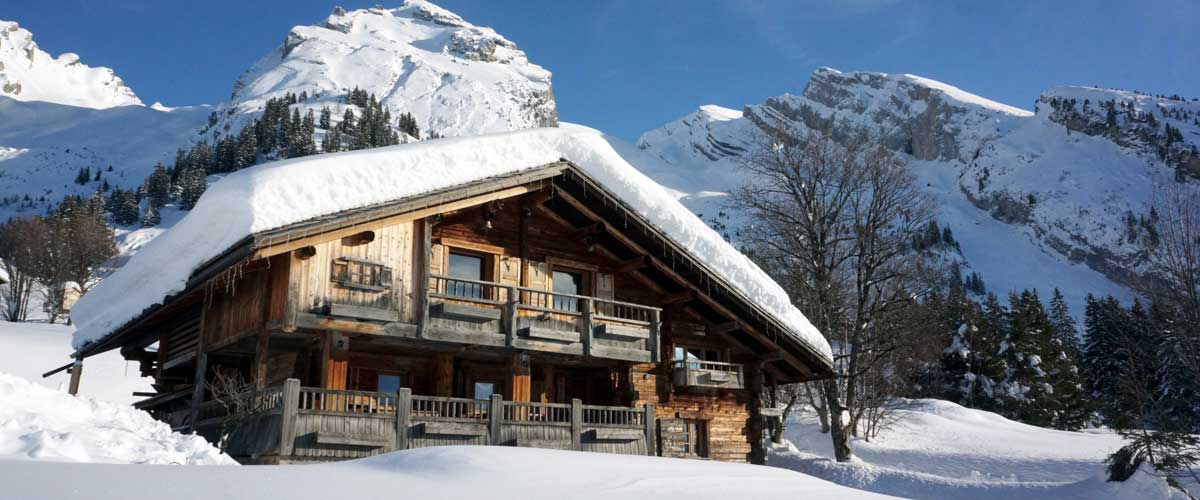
x: 302, y: 416
x: 630, y: 331
x: 714, y: 374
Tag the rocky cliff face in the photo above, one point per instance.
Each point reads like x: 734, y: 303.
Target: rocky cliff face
x: 453, y: 77
x: 27, y: 73
x: 1061, y: 189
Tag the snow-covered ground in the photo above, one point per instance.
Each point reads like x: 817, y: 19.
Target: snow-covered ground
x: 940, y: 450
x: 452, y: 472
x: 41, y: 424
x: 28, y: 350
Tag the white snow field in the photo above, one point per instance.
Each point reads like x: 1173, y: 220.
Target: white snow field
x: 40, y: 423
x: 28, y: 350
x: 28, y: 73
x: 940, y: 450
x: 276, y: 194
x: 451, y: 472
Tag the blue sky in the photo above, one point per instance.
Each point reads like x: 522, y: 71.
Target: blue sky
x: 628, y: 66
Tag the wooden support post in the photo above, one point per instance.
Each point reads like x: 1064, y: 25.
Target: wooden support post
x: 757, y: 423
x: 423, y: 282
x: 287, y: 427
x: 443, y: 375
x: 577, y: 424
x: 546, y: 395
x: 651, y: 421
x: 510, y: 315
x: 200, y: 373
x: 403, y: 417
x: 76, y: 373
x: 521, y: 388
x: 588, y: 326
x: 262, y: 352
x: 495, y: 419
x: 653, y: 343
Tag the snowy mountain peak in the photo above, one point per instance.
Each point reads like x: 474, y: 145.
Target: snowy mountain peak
x: 27, y: 73
x: 455, y: 78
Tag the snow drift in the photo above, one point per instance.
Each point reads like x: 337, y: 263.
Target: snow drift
x: 276, y: 194
x: 39, y: 423
x: 448, y: 472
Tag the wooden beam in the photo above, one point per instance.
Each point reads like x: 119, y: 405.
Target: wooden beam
x: 588, y: 230
x: 520, y: 386
x: 443, y: 377
x: 729, y: 327
x: 287, y: 246
x: 261, y: 355
x: 679, y: 298
x: 198, y: 376
x: 640, y: 262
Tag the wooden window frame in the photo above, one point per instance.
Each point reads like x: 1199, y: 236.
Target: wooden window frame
x: 698, y: 429
x: 379, y: 277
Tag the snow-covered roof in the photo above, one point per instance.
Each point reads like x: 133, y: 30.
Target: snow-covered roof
x: 277, y: 194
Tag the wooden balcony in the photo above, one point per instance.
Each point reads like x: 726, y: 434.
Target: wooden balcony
x: 487, y: 313
x: 710, y: 374
x: 301, y: 424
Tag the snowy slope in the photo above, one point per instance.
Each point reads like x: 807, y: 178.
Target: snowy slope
x: 455, y: 78
x: 28, y: 73
x: 28, y: 350
x: 450, y: 472
x: 1013, y: 185
x: 275, y: 194
x: 939, y: 450
x: 39, y: 423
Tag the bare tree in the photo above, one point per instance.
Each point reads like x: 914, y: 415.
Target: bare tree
x: 20, y: 249
x: 833, y: 224
x: 236, y: 396
x: 1175, y: 258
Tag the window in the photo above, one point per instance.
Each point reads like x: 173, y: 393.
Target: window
x: 387, y: 382
x: 570, y: 283
x: 468, y: 267
x: 484, y: 390
x: 693, y: 355
x: 361, y: 274
x: 695, y: 438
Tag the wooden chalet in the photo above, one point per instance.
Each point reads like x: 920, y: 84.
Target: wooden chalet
x: 529, y: 309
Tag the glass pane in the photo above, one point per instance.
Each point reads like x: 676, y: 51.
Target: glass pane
x: 466, y: 267
x: 568, y: 283
x: 388, y: 383
x: 484, y: 390
x: 679, y: 354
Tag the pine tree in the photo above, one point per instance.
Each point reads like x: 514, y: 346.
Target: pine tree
x: 1028, y: 392
x: 325, y: 121
x: 83, y: 176
x: 151, y: 217
x: 125, y: 209
x: 1065, y: 368
x: 192, y: 184
x: 158, y: 187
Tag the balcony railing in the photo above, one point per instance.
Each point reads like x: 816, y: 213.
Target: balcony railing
x: 714, y: 374
x: 311, y: 424
x: 546, y: 320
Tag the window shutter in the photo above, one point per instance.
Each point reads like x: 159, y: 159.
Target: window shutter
x: 605, y: 288
x: 510, y: 270
x: 437, y: 259
x: 539, y: 275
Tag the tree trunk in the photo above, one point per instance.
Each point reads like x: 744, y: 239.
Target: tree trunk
x: 838, y: 430
x: 818, y: 403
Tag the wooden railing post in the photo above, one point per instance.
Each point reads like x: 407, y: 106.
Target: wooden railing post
x: 287, y: 423
x: 510, y: 315
x: 653, y: 343
x: 495, y: 419
x: 403, y: 416
x: 650, y: 420
x: 577, y: 424
x: 588, y: 326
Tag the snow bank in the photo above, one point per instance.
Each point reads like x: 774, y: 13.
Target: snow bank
x: 940, y: 450
x: 451, y: 472
x: 38, y: 423
x: 28, y: 350
x: 276, y: 194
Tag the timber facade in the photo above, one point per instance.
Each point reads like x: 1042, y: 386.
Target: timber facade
x: 534, y: 309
